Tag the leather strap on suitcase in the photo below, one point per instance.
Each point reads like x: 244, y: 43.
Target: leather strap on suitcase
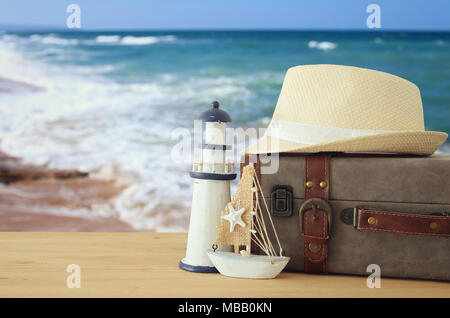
x: 364, y: 219
x: 315, y: 214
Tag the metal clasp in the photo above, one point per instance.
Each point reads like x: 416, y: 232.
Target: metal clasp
x: 281, y: 200
x: 316, y: 203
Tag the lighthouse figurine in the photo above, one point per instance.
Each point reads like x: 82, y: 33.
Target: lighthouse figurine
x: 211, y: 192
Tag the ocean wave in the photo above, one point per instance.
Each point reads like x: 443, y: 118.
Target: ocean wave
x: 132, y: 40
x: 322, y: 45
x: 107, y: 38
x: 15, y: 66
x: 145, y: 40
x: 150, y: 206
x: 9, y: 37
x: 52, y: 39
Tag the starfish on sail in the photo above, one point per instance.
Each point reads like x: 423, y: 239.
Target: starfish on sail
x: 234, y: 217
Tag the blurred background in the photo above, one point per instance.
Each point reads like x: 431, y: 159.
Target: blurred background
x: 87, y: 111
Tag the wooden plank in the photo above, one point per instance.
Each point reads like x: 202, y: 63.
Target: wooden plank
x: 146, y: 265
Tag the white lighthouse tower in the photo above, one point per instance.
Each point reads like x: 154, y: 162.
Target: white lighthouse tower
x: 211, y: 194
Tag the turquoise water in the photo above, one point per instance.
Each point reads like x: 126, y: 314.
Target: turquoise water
x: 251, y: 65
x: 112, y: 99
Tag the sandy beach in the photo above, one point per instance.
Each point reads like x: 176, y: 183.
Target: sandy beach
x: 29, y: 194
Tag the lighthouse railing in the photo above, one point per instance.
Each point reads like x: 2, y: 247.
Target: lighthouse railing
x: 227, y: 167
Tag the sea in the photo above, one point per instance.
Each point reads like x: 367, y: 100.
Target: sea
x: 111, y: 100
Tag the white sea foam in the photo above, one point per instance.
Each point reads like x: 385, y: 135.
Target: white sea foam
x: 107, y: 38
x: 52, y: 39
x: 145, y: 40
x: 322, y: 45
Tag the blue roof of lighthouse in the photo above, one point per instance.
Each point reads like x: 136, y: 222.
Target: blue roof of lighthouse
x: 215, y: 114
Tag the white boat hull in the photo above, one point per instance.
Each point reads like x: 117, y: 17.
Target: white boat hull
x: 252, y: 266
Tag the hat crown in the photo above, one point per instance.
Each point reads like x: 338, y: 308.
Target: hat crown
x: 349, y: 97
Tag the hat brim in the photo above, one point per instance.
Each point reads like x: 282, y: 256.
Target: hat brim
x: 408, y: 142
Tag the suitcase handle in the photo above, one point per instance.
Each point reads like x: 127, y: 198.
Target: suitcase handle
x: 396, y: 222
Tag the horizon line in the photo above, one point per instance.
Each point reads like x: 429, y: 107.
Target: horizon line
x: 6, y: 27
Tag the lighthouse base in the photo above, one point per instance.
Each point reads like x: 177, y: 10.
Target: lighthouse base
x: 196, y: 269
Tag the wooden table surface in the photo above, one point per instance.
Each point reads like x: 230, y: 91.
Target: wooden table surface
x: 146, y: 265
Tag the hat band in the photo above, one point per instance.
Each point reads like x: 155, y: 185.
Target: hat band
x: 308, y: 134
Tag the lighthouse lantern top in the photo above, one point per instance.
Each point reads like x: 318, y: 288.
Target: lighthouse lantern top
x: 214, y: 114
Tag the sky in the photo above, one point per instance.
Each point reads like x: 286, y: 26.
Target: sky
x: 228, y: 14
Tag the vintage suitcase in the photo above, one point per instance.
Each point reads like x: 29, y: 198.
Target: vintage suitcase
x: 339, y: 213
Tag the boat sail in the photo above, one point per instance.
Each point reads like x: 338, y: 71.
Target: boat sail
x: 242, y: 224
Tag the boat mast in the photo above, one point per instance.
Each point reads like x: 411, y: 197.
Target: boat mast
x: 252, y: 214
x: 270, y: 246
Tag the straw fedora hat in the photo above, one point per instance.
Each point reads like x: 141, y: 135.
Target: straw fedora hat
x: 347, y: 109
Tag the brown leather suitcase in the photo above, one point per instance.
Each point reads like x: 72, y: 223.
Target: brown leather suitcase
x: 339, y: 213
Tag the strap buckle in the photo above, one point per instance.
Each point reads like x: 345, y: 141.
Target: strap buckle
x: 316, y: 203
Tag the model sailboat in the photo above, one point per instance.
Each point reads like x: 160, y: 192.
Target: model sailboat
x: 242, y: 224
